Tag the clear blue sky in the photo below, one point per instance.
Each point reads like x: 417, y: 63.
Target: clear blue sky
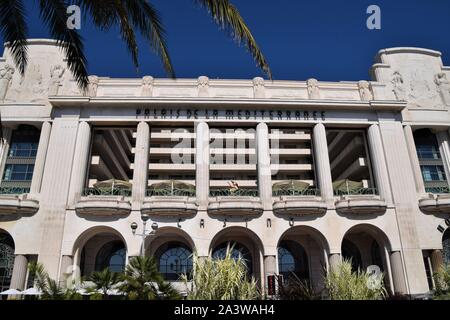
x: 324, y: 39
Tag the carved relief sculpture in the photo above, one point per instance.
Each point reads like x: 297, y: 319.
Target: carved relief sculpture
x: 443, y: 86
x: 398, y: 85
x: 365, y: 91
x: 313, y: 89
x: 93, y: 86
x: 259, y: 91
x: 203, y: 86
x: 56, y: 74
x: 147, y: 86
x: 6, y: 74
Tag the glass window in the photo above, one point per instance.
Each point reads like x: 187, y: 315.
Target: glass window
x: 6, y: 261
x: 175, y: 259
x: 23, y: 149
x: 428, y: 152
x: 292, y: 258
x: 237, y: 251
x: 433, y: 173
x: 112, y: 256
x: 18, y: 172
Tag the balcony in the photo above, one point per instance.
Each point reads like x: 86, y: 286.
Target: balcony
x: 359, y: 201
x: 437, y: 201
x: 294, y: 201
x: 104, y: 201
x: 235, y: 202
x: 16, y: 202
x: 170, y: 198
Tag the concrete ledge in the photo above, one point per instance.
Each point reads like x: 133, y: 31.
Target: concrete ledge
x: 12, y: 205
x: 435, y: 203
x: 360, y: 205
x: 235, y: 206
x: 170, y: 206
x: 103, y: 206
x: 299, y: 206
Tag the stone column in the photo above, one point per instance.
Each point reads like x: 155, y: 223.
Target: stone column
x: 322, y: 161
x: 4, y: 149
x: 41, y: 155
x: 263, y: 165
x: 66, y: 270
x: 379, y: 163
x: 437, y: 260
x: 414, y: 159
x: 444, y: 149
x: 270, y: 269
x: 140, y: 174
x: 398, y: 273
x: 334, y: 260
x: 80, y: 163
x: 19, y: 272
x: 202, y: 164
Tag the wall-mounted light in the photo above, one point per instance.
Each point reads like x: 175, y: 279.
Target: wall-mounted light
x: 269, y: 223
x: 155, y: 226
x: 202, y: 223
x: 134, y: 226
x: 224, y: 223
x: 447, y: 222
x: 291, y: 222
x: 179, y: 223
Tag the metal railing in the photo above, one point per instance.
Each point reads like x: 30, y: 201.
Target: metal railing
x: 296, y: 192
x: 176, y: 192
x: 357, y: 192
x: 14, y: 190
x: 233, y: 192
x: 107, y: 192
x: 437, y: 190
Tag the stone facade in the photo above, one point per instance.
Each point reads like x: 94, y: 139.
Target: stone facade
x: 62, y: 225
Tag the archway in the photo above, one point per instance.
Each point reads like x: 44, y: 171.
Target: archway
x: 244, y: 243
x: 302, y: 251
x: 446, y: 246
x: 99, y: 248
x: 7, y: 248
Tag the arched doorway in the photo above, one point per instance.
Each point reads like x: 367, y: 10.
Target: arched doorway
x: 112, y: 256
x: 351, y: 252
x: 446, y: 246
x: 237, y: 251
x: 6, y: 260
x: 302, y: 250
x: 174, y: 259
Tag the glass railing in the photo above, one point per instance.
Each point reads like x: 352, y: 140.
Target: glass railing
x: 296, y: 192
x: 437, y: 190
x: 175, y: 192
x: 14, y: 190
x: 233, y: 192
x: 357, y: 192
x: 107, y: 192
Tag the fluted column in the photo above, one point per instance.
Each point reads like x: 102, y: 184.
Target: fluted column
x: 322, y: 159
x: 263, y: 165
x: 398, y: 273
x: 140, y: 174
x: 66, y: 269
x: 202, y: 164
x: 414, y: 159
x: 41, y: 155
x: 270, y: 269
x: 19, y: 272
x: 80, y: 163
x: 4, y: 149
x: 437, y: 260
x: 334, y: 260
x: 379, y: 163
x: 444, y: 150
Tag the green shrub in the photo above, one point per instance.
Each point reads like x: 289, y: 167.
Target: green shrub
x: 442, y: 280
x: 295, y: 288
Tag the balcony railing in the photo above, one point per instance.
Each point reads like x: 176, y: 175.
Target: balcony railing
x: 438, y: 190
x: 233, y: 193
x: 357, y: 192
x: 107, y: 192
x: 176, y: 192
x: 14, y: 190
x: 296, y: 192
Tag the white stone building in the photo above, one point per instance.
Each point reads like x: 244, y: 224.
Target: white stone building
x: 295, y: 174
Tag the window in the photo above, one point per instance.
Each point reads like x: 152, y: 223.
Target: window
x: 433, y: 173
x: 292, y: 259
x: 23, y: 149
x: 175, y: 259
x: 446, y: 246
x: 6, y: 260
x: 18, y: 172
x: 428, y: 152
x: 237, y: 251
x: 112, y: 256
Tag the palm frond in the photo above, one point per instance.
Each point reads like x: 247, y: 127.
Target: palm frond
x: 227, y: 16
x: 13, y: 29
x: 54, y: 14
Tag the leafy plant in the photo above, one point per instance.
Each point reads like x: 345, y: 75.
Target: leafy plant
x: 344, y: 284
x: 295, y: 288
x: 142, y: 281
x: 442, y: 280
x: 221, y: 279
x: 103, y: 281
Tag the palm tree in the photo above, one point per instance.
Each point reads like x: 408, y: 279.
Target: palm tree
x: 50, y: 288
x: 103, y: 281
x: 131, y: 16
x: 142, y: 281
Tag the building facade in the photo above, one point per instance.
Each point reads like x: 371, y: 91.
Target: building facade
x: 295, y: 175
